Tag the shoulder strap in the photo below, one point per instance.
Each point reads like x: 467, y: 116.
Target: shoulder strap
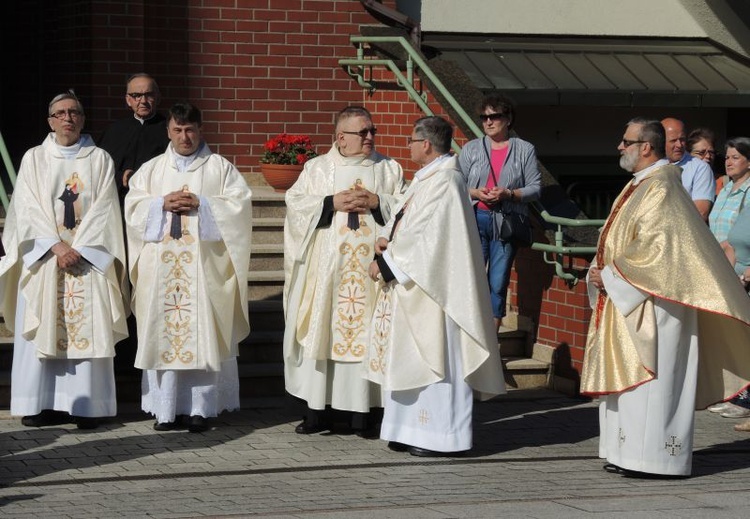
x: 486, y: 152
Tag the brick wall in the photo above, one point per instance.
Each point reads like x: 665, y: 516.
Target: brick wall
x: 256, y: 68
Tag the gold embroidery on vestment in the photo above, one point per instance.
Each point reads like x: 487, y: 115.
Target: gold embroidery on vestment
x: 381, y: 331
x: 70, y: 311
x: 349, y: 321
x: 177, y: 307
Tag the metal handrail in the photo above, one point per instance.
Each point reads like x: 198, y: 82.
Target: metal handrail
x: 414, y: 59
x: 11, y: 173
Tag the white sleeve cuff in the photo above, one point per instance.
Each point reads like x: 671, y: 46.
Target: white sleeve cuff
x: 401, y: 276
x: 155, y: 221
x: 207, y: 228
x: 624, y: 296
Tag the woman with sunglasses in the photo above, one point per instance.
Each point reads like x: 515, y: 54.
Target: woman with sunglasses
x: 502, y: 176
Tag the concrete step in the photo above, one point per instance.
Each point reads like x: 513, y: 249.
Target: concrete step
x: 268, y: 230
x: 267, y: 256
x: 512, y: 342
x: 265, y: 284
x: 267, y: 203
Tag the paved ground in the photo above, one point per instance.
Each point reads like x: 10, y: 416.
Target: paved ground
x: 534, y: 457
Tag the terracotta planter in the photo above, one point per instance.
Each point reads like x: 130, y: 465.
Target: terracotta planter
x: 280, y: 176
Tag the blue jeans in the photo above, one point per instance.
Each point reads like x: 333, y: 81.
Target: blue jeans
x: 498, y: 257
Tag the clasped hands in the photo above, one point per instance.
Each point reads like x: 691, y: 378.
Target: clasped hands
x: 381, y: 244
x: 491, y: 196
x: 357, y: 200
x: 181, y: 202
x: 67, y: 256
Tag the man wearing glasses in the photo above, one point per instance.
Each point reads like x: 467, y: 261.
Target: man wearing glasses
x: 435, y: 342
x: 136, y: 139
x: 670, y: 322
x: 334, y: 211
x: 63, y: 281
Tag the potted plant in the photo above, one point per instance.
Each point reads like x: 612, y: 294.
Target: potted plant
x: 283, y: 158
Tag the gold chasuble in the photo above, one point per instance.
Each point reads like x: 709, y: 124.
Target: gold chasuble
x: 655, y: 240
x: 77, y: 313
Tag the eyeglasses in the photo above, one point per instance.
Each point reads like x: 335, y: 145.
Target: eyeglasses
x: 138, y: 95
x: 60, y: 114
x: 491, y: 117
x: 628, y: 143
x: 703, y: 153
x: 409, y: 141
x: 363, y: 133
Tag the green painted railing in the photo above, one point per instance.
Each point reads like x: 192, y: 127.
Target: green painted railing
x: 358, y: 69
x: 9, y: 170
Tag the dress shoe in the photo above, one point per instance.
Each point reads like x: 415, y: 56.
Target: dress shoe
x: 197, y: 424
x: 164, y: 426
x: 720, y: 407
x: 46, y: 417
x: 368, y: 434
x: 398, y: 447
x: 307, y: 428
x: 736, y: 411
x: 743, y: 426
x: 427, y: 453
x: 614, y: 469
x: 86, y: 422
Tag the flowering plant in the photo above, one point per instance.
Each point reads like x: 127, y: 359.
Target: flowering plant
x: 288, y: 149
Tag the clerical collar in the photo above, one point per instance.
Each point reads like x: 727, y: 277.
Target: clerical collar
x: 637, y: 177
x: 143, y: 121
x: 428, y: 168
x: 183, y: 161
x: 69, y: 152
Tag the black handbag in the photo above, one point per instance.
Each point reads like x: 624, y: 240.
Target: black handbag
x: 515, y: 226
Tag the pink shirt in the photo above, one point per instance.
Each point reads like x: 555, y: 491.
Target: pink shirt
x: 497, y: 158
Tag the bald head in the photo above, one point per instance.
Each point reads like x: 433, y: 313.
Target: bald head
x: 675, y: 132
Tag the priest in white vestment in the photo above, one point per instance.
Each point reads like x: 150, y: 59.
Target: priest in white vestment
x: 188, y: 218
x: 334, y: 211
x: 63, y: 280
x: 670, y: 331
x: 433, y: 343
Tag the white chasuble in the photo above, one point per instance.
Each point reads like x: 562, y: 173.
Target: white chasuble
x: 353, y: 296
x: 189, y: 271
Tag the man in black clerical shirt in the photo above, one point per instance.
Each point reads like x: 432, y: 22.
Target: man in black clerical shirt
x: 137, y: 138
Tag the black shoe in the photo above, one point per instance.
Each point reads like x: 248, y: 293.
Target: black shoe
x: 46, y: 417
x: 306, y: 428
x: 427, y: 453
x: 398, y: 447
x: 85, y: 422
x: 197, y: 424
x: 614, y: 469
x: 368, y: 434
x: 164, y: 426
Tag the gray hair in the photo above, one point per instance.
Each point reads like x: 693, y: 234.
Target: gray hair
x: 70, y: 94
x: 652, y: 132
x: 436, y: 130
x: 741, y: 144
x: 352, y: 111
x: 145, y: 76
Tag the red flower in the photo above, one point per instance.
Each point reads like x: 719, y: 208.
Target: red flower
x: 288, y: 149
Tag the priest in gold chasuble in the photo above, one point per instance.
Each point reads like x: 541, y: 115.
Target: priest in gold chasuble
x: 333, y: 213
x: 188, y: 216
x: 670, y: 330
x: 63, y: 280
